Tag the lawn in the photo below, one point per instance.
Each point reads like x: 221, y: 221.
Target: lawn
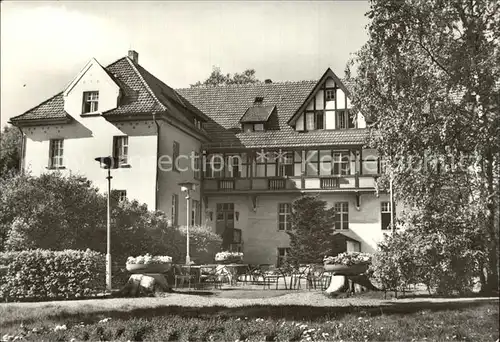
x: 275, y: 318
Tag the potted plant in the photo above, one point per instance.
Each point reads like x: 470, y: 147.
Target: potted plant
x: 149, y: 264
x: 229, y: 257
x: 349, y: 263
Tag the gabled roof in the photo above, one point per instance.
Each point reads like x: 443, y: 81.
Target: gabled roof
x: 225, y: 105
x: 257, y: 114
x: 141, y: 93
x: 328, y: 74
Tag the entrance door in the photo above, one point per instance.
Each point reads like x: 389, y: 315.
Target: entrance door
x: 224, y: 225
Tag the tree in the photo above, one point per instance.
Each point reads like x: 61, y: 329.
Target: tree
x: 429, y: 78
x: 57, y: 212
x: 216, y: 78
x: 10, y: 149
x: 312, y: 229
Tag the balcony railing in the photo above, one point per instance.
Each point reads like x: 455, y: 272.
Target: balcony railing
x: 226, y: 184
x: 276, y: 184
x: 290, y: 183
x: 329, y: 183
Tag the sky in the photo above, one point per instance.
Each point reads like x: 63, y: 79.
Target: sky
x: 44, y: 44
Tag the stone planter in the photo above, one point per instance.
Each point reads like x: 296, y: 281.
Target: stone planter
x: 149, y: 268
x: 229, y: 261
x: 346, y: 270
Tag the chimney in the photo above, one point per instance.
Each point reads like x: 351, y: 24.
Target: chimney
x: 133, y: 55
x: 268, y: 81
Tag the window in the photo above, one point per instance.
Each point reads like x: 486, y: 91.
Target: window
x: 175, y: 156
x: 90, y: 101
x: 341, y: 163
x: 197, y: 166
x: 342, y: 215
x: 195, y: 212
x: 330, y: 95
x: 56, y: 153
x: 282, y: 254
x: 312, y: 163
x: 214, y: 166
x: 120, y: 149
x: 285, y: 164
x: 258, y: 127
x: 258, y: 100
x: 310, y: 121
x: 121, y: 195
x: 175, y: 209
x: 345, y: 119
x: 319, y: 119
x: 284, y: 216
x: 385, y: 213
x: 197, y: 123
x: 315, y: 120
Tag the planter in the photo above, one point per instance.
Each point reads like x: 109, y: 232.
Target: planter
x: 229, y: 261
x: 346, y: 270
x: 149, y: 268
x: 3, y: 270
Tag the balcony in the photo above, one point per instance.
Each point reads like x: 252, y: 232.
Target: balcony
x: 290, y: 184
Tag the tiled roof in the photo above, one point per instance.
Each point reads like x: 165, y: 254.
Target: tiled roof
x: 257, y: 114
x: 225, y: 105
x: 142, y: 93
x: 53, y: 108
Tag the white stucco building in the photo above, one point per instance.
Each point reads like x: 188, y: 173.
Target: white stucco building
x: 273, y: 140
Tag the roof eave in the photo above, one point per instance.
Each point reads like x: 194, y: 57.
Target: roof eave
x: 38, y: 122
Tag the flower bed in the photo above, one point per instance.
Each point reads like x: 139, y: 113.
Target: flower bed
x: 229, y: 257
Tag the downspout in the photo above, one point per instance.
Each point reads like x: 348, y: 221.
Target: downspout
x: 21, y: 159
x: 157, y: 158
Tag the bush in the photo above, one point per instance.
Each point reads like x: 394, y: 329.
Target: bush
x: 43, y: 274
x: 204, y: 243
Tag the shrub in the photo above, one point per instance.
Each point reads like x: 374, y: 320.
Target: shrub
x: 43, y: 274
x: 204, y: 243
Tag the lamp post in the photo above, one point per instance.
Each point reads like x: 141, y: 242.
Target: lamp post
x: 108, y: 163
x: 187, y: 187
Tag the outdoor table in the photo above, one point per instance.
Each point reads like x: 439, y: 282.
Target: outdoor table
x: 231, y: 270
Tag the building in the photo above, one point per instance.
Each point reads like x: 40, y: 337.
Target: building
x: 251, y: 148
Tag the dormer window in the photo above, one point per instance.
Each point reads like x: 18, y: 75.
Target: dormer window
x: 90, y: 102
x: 258, y: 127
x: 255, y: 118
x: 258, y: 100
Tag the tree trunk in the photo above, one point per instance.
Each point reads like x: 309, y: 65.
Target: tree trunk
x: 492, y: 281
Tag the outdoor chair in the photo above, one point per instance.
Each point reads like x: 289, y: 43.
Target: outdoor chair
x: 298, y: 275
x: 209, y: 276
x: 315, y: 277
x: 183, y: 275
x: 270, y: 275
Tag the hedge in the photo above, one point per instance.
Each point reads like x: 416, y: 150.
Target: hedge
x: 43, y: 274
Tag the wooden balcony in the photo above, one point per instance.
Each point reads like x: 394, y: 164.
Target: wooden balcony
x: 290, y: 184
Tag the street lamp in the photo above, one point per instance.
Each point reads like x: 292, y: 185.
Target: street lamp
x: 108, y: 163
x: 187, y: 187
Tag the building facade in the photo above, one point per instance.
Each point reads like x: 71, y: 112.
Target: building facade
x: 251, y: 149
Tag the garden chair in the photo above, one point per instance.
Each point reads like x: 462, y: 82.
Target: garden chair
x: 182, y: 275
x: 316, y: 278
x: 209, y: 276
x: 270, y: 275
x: 298, y: 275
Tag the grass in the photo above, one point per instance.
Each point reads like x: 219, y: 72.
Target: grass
x: 154, y: 319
